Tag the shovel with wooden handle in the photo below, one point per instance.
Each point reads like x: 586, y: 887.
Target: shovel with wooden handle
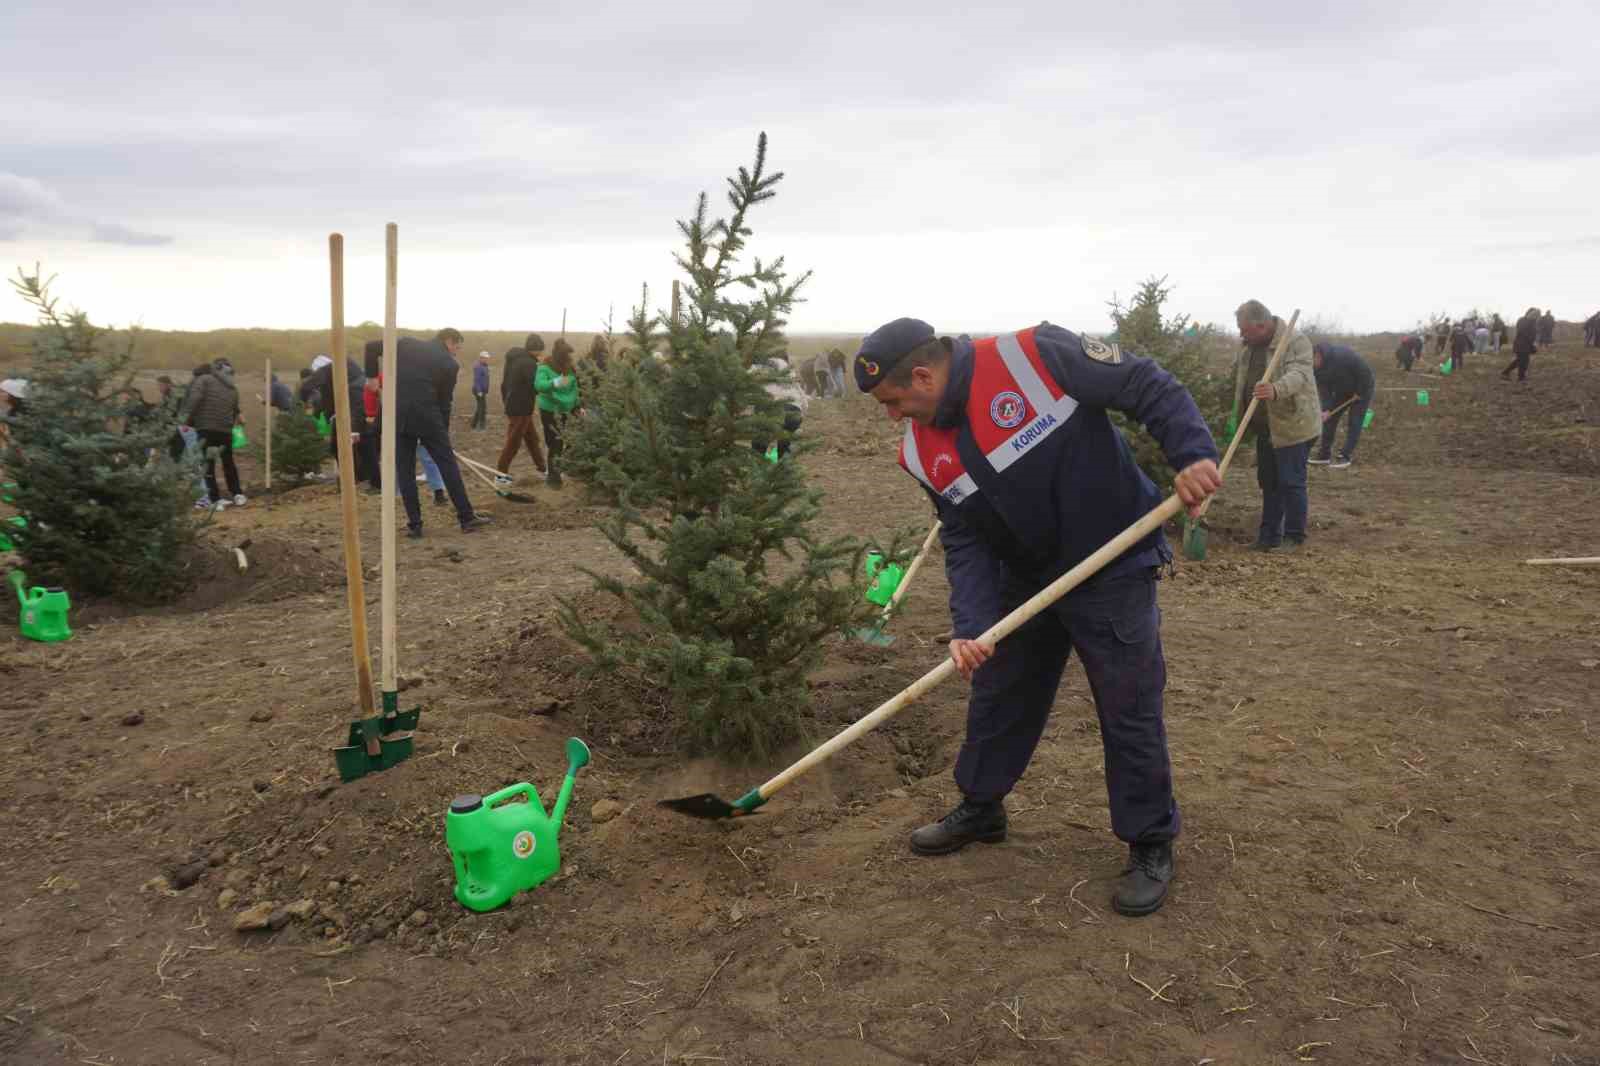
x: 503, y: 493
x: 708, y: 805
x: 875, y: 634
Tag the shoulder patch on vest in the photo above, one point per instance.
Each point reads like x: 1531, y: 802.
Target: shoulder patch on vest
x: 1101, y: 351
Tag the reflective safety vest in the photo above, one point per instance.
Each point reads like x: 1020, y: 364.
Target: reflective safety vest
x: 1013, y: 404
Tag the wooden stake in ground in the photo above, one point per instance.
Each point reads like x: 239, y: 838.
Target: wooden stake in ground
x: 389, y: 664
x: 1578, y: 560
x: 355, y: 593
x: 563, y: 323
x: 676, y: 305
x: 267, y: 430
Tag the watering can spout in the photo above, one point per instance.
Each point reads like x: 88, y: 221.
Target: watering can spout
x: 18, y: 579
x: 577, y: 759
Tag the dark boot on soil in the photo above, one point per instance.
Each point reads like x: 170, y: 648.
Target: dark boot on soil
x: 439, y: 497
x: 414, y: 532
x: 553, y: 479
x: 983, y: 822
x: 1143, y: 887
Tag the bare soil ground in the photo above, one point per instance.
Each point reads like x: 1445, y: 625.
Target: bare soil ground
x: 1384, y: 746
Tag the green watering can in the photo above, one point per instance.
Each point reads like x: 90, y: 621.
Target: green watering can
x: 323, y: 429
x: 500, y: 847
x: 1422, y: 397
x: 772, y: 454
x: 1446, y: 367
x: 42, y: 613
x: 1366, y: 422
x: 885, y: 579
x: 240, y: 441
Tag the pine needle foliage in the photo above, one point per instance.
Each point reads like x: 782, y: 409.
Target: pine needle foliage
x: 736, y: 587
x: 1143, y: 327
x: 108, y: 511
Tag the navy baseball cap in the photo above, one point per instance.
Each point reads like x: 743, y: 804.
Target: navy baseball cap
x: 886, y: 346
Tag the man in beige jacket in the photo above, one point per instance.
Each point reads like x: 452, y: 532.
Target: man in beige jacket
x: 1286, y: 422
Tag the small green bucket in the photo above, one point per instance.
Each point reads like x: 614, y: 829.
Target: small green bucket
x: 1422, y: 397
x: 1366, y: 423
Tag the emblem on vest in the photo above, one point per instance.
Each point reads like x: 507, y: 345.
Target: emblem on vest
x: 1099, y: 350
x: 1008, y: 409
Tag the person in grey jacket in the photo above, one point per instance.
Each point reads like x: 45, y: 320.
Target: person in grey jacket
x: 1286, y: 422
x: 212, y: 410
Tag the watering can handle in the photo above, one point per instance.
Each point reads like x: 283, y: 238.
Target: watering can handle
x: 510, y: 791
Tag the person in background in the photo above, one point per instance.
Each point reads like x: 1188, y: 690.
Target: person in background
x: 599, y: 354
x: 212, y: 410
x: 1480, y: 338
x: 836, y: 363
x: 1591, y: 331
x: 425, y: 386
x: 282, y: 396
x: 1441, y: 337
x: 517, y: 394
x: 480, y: 392
x: 794, y: 398
x: 1460, y: 345
x: 557, y: 385
x: 1341, y: 375
x: 317, y: 391
x: 819, y: 370
x: 1286, y: 422
x: 1409, y: 352
x: 1497, y: 332
x: 1523, y: 345
x: 1547, y: 328
x: 371, y: 441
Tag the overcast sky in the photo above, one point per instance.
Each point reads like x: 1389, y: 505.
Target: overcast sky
x: 183, y: 163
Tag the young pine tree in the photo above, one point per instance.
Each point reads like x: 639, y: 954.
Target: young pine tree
x: 109, y: 512
x: 1186, y: 351
x: 737, y: 586
x: 298, y: 448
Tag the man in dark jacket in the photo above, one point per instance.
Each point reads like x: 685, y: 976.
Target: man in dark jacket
x: 1591, y: 331
x: 1547, y: 328
x: 517, y: 394
x: 425, y: 387
x: 1497, y: 331
x: 1409, y: 352
x: 1012, y: 439
x: 1523, y: 345
x: 212, y: 409
x: 1341, y: 375
x: 1460, y: 345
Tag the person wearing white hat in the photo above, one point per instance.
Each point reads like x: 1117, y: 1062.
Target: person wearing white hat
x: 480, y: 391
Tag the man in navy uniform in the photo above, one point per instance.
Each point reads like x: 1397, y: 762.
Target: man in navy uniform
x: 1012, y: 438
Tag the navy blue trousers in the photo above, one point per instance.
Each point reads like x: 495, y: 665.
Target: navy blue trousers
x: 1115, y: 627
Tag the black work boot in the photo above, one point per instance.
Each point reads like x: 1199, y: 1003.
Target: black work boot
x: 440, y: 498
x: 984, y: 822
x: 553, y: 479
x: 1143, y: 887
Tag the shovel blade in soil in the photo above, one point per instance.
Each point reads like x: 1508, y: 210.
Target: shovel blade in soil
x: 706, y: 805
x: 874, y: 636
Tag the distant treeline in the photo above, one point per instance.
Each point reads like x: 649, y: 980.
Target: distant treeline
x: 249, y: 349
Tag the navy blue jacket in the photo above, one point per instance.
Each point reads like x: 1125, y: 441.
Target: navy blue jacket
x: 1343, y: 374
x: 424, y: 386
x: 1078, y: 488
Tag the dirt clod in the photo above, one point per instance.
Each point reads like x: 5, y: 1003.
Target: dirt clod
x: 136, y: 718
x: 256, y: 916
x: 604, y: 810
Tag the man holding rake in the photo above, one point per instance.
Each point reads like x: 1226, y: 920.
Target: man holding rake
x: 1011, y: 437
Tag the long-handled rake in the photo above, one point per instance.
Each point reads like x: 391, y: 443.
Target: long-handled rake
x: 499, y: 490
x: 710, y: 806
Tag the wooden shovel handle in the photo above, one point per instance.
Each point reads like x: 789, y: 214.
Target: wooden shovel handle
x: 355, y: 593
x: 999, y: 631
x: 911, y: 571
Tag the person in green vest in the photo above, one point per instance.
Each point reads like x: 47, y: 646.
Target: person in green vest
x: 557, y: 387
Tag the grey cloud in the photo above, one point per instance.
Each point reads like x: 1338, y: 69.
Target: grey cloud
x: 111, y: 233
